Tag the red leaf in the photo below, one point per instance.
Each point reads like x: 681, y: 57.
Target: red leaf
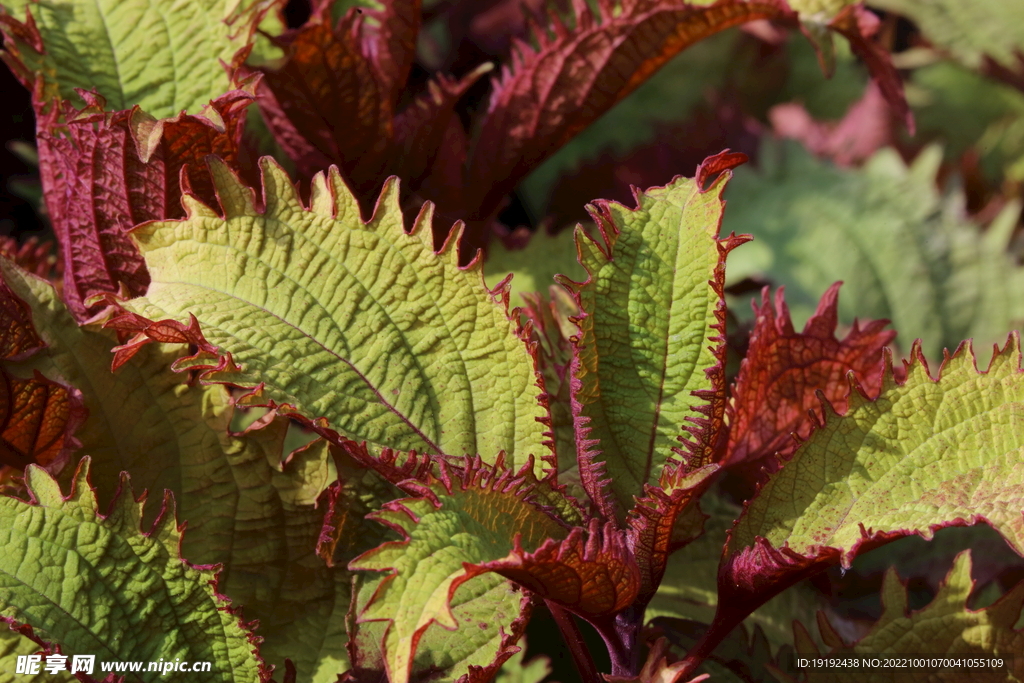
x: 105, y: 172
x: 657, y: 526
x: 38, y: 417
x: 421, y: 128
x: 38, y: 258
x: 549, y: 94
x: 389, y: 42
x: 858, y: 25
x: 783, y: 369
x: 18, y: 338
x: 590, y: 572
x: 37, y: 421
x: 325, y: 105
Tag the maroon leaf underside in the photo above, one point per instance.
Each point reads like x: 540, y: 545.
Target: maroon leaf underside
x: 859, y: 26
x: 38, y: 417
x: 550, y: 93
x: 389, y: 42
x: 35, y: 256
x: 325, y: 104
x: 775, y: 392
x: 105, y: 172
x: 423, y: 143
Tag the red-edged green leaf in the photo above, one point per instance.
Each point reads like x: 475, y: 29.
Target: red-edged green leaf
x: 447, y: 538
x: 492, y: 614
x: 105, y: 172
x: 246, y: 508
x: 358, y: 327
x: 648, y: 362
x: 784, y: 369
x: 946, y: 626
x: 100, y: 584
x: 551, y: 92
x: 165, y: 58
x: 926, y: 454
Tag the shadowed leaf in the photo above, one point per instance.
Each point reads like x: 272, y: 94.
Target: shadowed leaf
x: 946, y: 626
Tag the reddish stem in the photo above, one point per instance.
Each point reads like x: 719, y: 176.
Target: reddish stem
x: 574, y: 641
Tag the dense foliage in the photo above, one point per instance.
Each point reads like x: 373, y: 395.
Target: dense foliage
x: 341, y: 342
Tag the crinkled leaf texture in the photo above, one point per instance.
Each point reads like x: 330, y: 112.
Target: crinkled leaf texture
x: 926, y: 454
x: 359, y: 326
x: 458, y: 530
x: 904, y: 252
x: 647, y: 370
x: 946, y: 626
x: 99, y: 584
x: 246, y: 509
x: 783, y: 370
x: 164, y: 57
x: 104, y: 172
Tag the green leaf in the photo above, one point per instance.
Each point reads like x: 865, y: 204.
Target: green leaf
x: 925, y: 454
x: 490, y: 613
x: 648, y: 360
x: 946, y: 626
x: 970, y: 29
x: 245, y: 508
x: 904, y: 252
x: 164, y: 57
x: 100, y: 585
x: 448, y: 538
x: 357, y: 323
